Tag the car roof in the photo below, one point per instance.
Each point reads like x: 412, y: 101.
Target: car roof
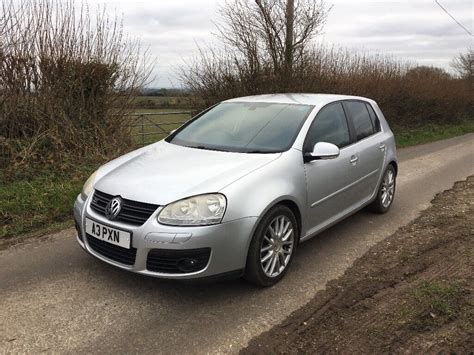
x: 302, y: 99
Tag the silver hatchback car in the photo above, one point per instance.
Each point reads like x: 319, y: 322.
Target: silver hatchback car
x: 236, y: 189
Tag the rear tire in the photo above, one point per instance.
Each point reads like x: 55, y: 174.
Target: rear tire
x: 386, y: 193
x: 272, y: 247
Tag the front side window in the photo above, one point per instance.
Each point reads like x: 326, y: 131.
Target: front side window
x: 361, y: 119
x: 248, y: 127
x: 329, y: 126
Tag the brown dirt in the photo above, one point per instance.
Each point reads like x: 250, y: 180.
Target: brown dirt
x: 413, y: 292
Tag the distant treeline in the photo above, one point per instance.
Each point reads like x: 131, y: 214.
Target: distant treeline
x: 163, y: 92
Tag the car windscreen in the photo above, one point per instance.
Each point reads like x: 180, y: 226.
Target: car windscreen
x: 250, y: 127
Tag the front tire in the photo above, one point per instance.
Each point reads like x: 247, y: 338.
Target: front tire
x: 272, y: 247
x: 386, y: 193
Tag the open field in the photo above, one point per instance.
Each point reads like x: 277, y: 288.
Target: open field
x: 154, y: 125
x: 156, y: 102
x: 150, y: 126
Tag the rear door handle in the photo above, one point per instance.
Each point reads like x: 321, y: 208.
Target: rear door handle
x: 382, y: 147
x: 354, y: 159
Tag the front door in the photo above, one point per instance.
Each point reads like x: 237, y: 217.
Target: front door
x: 329, y: 181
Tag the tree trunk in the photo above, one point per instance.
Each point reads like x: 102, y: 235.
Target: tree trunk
x: 288, y: 64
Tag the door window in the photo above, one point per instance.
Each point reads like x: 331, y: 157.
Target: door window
x: 361, y: 119
x: 330, y: 125
x: 373, y: 117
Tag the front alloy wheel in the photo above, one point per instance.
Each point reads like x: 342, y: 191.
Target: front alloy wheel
x: 277, y: 246
x: 272, y: 247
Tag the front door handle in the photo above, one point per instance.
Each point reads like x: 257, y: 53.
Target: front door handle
x: 382, y: 147
x: 354, y: 159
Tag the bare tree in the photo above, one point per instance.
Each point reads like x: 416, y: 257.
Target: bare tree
x: 66, y: 78
x: 261, y: 38
x: 267, y: 29
x: 463, y: 64
x: 289, y: 37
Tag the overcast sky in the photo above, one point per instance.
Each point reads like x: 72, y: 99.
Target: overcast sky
x: 411, y: 29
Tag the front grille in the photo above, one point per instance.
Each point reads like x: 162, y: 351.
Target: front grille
x: 111, y: 251
x: 177, y: 261
x: 132, y: 212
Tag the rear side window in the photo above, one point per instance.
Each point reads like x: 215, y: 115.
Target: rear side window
x: 373, y: 117
x: 330, y: 125
x: 361, y: 119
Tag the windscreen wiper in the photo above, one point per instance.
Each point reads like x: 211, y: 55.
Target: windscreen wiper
x: 256, y: 151
x: 206, y: 148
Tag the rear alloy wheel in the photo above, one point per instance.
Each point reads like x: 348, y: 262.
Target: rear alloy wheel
x: 386, y: 193
x: 272, y: 247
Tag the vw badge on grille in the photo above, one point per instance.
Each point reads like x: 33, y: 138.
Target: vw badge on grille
x: 113, y: 208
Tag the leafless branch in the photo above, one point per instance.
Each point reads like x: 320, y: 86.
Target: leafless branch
x: 66, y: 72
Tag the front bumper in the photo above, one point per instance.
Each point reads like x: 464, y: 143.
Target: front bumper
x: 228, y: 242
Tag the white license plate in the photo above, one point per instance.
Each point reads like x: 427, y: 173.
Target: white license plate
x: 108, y: 234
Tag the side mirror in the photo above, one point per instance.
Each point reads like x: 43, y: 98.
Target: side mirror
x: 322, y: 150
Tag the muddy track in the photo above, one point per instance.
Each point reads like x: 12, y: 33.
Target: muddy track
x: 413, y: 292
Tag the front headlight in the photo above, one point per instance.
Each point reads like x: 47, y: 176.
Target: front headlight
x: 88, y: 186
x: 194, y: 211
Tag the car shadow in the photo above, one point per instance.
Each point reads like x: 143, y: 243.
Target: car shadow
x: 304, y: 262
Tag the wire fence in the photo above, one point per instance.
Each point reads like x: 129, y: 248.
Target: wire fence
x: 149, y: 127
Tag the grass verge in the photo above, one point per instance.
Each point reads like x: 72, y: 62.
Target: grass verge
x: 406, y: 137
x: 39, y: 203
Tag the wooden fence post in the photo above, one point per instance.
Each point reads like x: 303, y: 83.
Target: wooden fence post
x: 143, y: 130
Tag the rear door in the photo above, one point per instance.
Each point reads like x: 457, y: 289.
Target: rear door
x: 329, y: 181
x: 369, y: 149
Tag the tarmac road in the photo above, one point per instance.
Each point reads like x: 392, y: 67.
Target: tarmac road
x: 56, y: 298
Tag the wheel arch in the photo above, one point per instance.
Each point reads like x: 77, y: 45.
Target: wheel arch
x: 395, y: 166
x: 296, y: 211
x: 289, y: 203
